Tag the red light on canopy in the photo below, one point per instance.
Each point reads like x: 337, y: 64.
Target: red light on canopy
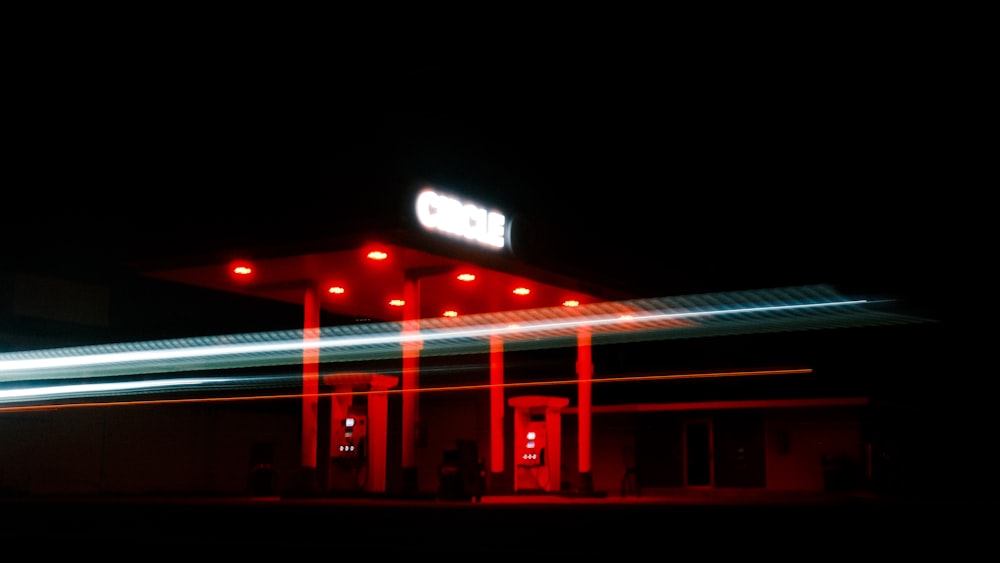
x: 521, y: 291
x: 571, y: 303
x: 397, y: 302
x: 240, y: 270
x: 377, y: 255
x: 450, y: 313
x: 337, y: 290
x: 466, y: 277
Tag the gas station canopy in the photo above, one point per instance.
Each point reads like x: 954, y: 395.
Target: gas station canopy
x: 459, y: 268
x: 367, y: 282
x: 450, y: 261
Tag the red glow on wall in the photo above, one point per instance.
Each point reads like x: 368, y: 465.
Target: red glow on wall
x: 397, y: 302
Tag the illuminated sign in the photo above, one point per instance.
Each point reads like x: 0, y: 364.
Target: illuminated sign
x: 446, y: 214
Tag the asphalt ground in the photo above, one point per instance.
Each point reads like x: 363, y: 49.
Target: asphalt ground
x: 784, y: 528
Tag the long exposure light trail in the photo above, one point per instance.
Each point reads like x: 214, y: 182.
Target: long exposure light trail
x: 67, y: 391
x: 383, y: 340
x: 195, y: 352
x: 82, y: 389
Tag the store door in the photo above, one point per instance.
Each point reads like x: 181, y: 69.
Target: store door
x: 698, y: 468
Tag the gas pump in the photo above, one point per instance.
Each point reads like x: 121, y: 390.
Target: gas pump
x: 352, y: 436
x: 349, y: 452
x: 358, y: 431
x: 531, y: 460
x: 537, y: 432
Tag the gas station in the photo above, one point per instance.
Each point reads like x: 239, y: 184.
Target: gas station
x: 452, y: 260
x: 448, y: 270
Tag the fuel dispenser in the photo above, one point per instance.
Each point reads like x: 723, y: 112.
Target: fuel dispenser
x: 533, y: 472
x: 537, y: 442
x: 358, y: 431
x: 351, y: 442
x: 349, y: 451
x: 533, y: 443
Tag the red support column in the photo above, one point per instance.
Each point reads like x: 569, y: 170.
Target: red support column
x: 584, y: 372
x: 378, y: 413
x: 496, y: 412
x: 411, y: 380
x: 310, y: 387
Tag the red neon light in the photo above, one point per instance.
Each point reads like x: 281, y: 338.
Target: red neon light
x: 377, y: 255
x: 337, y: 290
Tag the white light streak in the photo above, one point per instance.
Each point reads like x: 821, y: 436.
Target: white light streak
x: 376, y: 339
x: 788, y: 309
x: 82, y: 389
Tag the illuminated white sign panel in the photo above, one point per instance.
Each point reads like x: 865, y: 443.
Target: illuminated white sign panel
x: 446, y: 214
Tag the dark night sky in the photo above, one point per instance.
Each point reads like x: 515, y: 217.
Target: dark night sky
x: 707, y: 172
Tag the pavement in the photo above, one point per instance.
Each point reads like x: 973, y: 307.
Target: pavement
x: 714, y: 524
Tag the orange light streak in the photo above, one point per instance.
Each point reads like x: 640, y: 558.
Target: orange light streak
x: 700, y: 375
